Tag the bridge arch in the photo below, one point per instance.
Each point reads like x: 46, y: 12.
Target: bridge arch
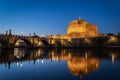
x: 57, y: 44
x: 21, y: 43
x: 43, y: 43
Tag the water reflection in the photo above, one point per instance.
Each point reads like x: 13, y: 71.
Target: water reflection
x: 18, y: 55
x: 19, y: 52
x: 80, y: 66
x: 80, y: 62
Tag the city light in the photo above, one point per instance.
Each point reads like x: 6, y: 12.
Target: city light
x: 113, y: 39
x: 19, y: 64
x: 87, y: 41
x: 86, y: 55
x: 41, y: 44
x: 113, y: 56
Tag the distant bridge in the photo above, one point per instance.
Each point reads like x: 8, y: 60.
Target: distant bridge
x: 12, y: 41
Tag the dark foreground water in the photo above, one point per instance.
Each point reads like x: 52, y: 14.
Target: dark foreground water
x: 65, y: 64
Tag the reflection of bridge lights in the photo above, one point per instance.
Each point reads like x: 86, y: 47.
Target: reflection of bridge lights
x: 86, y: 56
x: 39, y: 51
x: 19, y: 53
x: 57, y: 58
x: 69, y: 55
x: 17, y: 63
x: 96, y: 65
x: 18, y: 56
x: 86, y: 69
x: 38, y: 60
x: 42, y: 61
x: 113, y: 58
x: 21, y: 65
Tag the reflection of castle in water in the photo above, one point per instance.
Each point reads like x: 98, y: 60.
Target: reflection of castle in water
x: 79, y: 62
x: 81, y: 66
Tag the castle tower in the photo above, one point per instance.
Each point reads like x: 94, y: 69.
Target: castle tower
x: 81, y: 28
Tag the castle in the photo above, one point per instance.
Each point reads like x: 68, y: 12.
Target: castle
x: 78, y: 29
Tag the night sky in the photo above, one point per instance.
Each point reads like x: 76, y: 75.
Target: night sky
x: 52, y: 16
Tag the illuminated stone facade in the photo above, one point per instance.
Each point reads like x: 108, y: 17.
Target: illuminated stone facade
x: 79, y: 29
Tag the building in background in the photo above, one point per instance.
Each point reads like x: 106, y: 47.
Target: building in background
x: 78, y: 29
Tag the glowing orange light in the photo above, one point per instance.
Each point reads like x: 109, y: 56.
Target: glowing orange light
x: 112, y: 38
x: 78, y: 29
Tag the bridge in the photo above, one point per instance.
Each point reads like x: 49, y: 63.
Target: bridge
x: 12, y: 41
